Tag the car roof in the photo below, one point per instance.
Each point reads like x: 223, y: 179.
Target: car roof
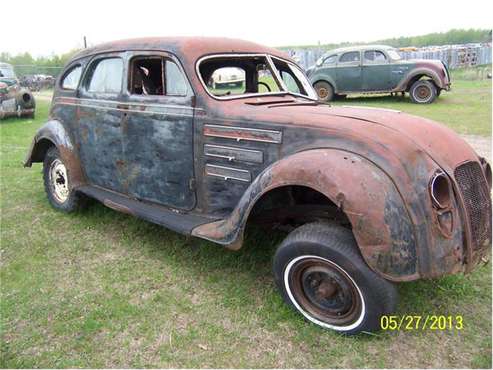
x: 5, y: 65
x: 358, y: 48
x: 190, y: 47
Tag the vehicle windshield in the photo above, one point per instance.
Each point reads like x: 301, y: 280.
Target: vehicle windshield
x: 7, y: 72
x: 394, y: 55
x: 237, y: 76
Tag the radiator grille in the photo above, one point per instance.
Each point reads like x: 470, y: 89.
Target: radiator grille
x: 477, y: 202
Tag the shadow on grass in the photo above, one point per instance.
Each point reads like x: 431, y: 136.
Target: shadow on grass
x: 244, y: 278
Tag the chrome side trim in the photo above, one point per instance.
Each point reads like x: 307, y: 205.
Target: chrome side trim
x: 63, y: 100
x: 234, y: 154
x: 126, y: 110
x: 243, y: 133
x: 228, y: 173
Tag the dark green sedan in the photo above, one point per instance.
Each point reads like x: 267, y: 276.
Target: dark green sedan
x: 377, y: 69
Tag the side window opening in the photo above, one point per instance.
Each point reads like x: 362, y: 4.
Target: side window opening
x: 352, y: 56
x: 374, y: 56
x: 156, y: 76
x: 106, y: 76
x: 71, y: 79
x: 147, y: 77
x: 330, y: 59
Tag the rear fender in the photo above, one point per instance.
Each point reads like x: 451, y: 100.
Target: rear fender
x: 380, y: 221
x: 53, y: 133
x: 417, y: 72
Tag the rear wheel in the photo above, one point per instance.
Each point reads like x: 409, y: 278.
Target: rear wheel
x: 320, y: 272
x: 57, y: 184
x: 423, y: 92
x: 324, y: 90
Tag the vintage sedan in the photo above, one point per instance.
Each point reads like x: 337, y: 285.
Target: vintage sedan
x: 377, y: 69
x: 15, y: 101
x: 370, y: 197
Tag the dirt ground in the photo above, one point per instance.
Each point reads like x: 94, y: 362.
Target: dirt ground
x: 481, y: 144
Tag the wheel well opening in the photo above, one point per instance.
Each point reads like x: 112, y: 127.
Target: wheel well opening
x: 417, y: 78
x: 39, y: 151
x: 288, y: 207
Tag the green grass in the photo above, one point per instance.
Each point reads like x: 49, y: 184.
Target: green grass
x: 104, y: 289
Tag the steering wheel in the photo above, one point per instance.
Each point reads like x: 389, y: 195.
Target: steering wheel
x: 264, y: 84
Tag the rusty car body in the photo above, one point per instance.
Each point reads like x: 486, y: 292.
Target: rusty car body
x: 377, y: 69
x: 15, y: 100
x: 373, y: 196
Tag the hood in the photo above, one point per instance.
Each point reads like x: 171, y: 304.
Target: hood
x: 402, y: 134
x: 442, y: 144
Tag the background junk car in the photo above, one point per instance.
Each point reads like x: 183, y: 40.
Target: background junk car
x: 377, y: 69
x: 14, y: 99
x: 370, y: 200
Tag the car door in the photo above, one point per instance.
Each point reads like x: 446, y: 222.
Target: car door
x: 398, y: 71
x: 376, y: 71
x: 158, y: 131
x: 349, y: 72
x: 99, y: 122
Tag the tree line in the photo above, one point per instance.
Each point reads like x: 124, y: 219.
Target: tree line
x: 26, y: 64
x: 454, y: 36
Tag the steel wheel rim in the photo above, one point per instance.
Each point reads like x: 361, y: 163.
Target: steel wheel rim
x: 323, y: 92
x: 342, y: 315
x: 59, y: 181
x: 423, y: 93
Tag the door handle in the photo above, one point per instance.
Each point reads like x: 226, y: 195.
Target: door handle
x: 122, y: 106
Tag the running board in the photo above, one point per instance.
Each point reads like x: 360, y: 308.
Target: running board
x: 172, y: 219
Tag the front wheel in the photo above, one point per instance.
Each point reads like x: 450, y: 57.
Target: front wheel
x: 57, y: 184
x: 423, y: 92
x: 320, y: 272
x: 324, y: 90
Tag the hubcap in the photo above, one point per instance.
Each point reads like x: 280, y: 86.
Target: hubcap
x: 59, y: 181
x: 324, y: 291
x: 423, y: 93
x: 322, y: 92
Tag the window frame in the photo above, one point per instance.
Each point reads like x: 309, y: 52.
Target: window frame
x: 275, y: 75
x: 164, y: 56
x: 67, y: 72
x: 330, y: 64
x: 365, y: 62
x: 89, y: 72
x: 351, y: 62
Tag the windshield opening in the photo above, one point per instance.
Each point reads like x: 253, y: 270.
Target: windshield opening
x: 293, y: 78
x: 235, y: 76
x: 394, y: 55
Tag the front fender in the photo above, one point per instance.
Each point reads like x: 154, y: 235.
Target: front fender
x: 53, y: 133
x: 318, y: 76
x: 380, y: 221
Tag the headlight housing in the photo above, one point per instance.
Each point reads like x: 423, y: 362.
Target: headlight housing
x: 441, y: 190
